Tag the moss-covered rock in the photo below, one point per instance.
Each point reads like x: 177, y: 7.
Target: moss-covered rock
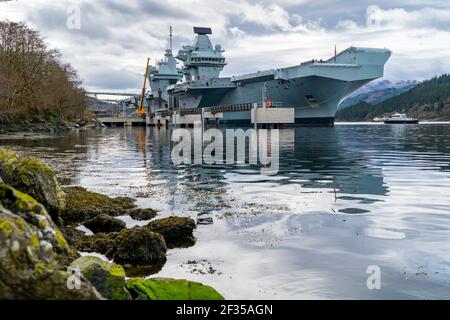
x: 107, y: 278
x: 100, y: 242
x: 30, y: 176
x: 72, y: 235
x: 36, y: 216
x: 30, y: 266
x: 82, y: 205
x: 177, y: 231
x: 142, y: 214
x: 142, y: 270
x: 104, y: 223
x: 138, y: 247
x: 140, y: 251
x: 171, y: 289
x: 73, y: 254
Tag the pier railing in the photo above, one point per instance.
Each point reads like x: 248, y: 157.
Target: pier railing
x: 230, y: 108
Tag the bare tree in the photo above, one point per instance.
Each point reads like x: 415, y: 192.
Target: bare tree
x: 34, y: 83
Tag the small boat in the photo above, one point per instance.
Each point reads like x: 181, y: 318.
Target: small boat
x: 400, y: 118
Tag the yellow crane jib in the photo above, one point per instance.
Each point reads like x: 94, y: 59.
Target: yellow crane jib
x: 141, y: 110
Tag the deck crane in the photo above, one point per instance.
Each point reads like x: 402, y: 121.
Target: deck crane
x: 141, y: 110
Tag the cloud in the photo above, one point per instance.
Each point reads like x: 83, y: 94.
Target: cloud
x: 116, y: 36
x: 399, y: 18
x: 236, y: 32
x: 271, y: 16
x: 113, y: 78
x: 347, y: 24
x: 418, y: 39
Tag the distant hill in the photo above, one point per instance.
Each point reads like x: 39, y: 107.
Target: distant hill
x: 376, y: 92
x: 429, y: 100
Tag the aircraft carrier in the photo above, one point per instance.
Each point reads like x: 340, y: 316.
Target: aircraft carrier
x: 313, y: 88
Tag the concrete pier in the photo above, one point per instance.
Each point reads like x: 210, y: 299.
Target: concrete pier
x: 273, y: 116
x: 263, y: 116
x: 159, y: 121
x: 190, y: 119
x: 124, y: 121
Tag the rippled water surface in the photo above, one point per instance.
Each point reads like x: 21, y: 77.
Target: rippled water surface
x: 345, y: 198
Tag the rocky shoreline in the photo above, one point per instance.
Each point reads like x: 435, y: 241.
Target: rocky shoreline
x: 41, y: 242
x: 26, y: 126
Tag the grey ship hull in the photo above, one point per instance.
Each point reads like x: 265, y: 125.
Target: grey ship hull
x: 313, y: 89
x: 326, y: 92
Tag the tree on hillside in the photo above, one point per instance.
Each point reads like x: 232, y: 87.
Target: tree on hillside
x: 34, y: 83
x: 428, y: 100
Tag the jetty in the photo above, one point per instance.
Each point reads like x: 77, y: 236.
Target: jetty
x: 260, y: 115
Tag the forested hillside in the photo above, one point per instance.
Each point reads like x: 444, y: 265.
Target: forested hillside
x: 377, y: 92
x: 429, y: 100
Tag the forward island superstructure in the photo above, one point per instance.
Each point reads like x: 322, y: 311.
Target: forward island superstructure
x: 313, y: 88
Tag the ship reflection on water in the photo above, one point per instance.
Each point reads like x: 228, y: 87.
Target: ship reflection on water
x: 345, y: 198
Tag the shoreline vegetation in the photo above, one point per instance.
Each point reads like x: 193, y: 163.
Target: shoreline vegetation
x: 38, y: 91
x: 40, y: 243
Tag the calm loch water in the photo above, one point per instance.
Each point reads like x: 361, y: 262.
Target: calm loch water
x: 345, y: 198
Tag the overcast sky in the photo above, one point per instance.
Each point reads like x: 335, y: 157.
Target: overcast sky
x: 109, y: 49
